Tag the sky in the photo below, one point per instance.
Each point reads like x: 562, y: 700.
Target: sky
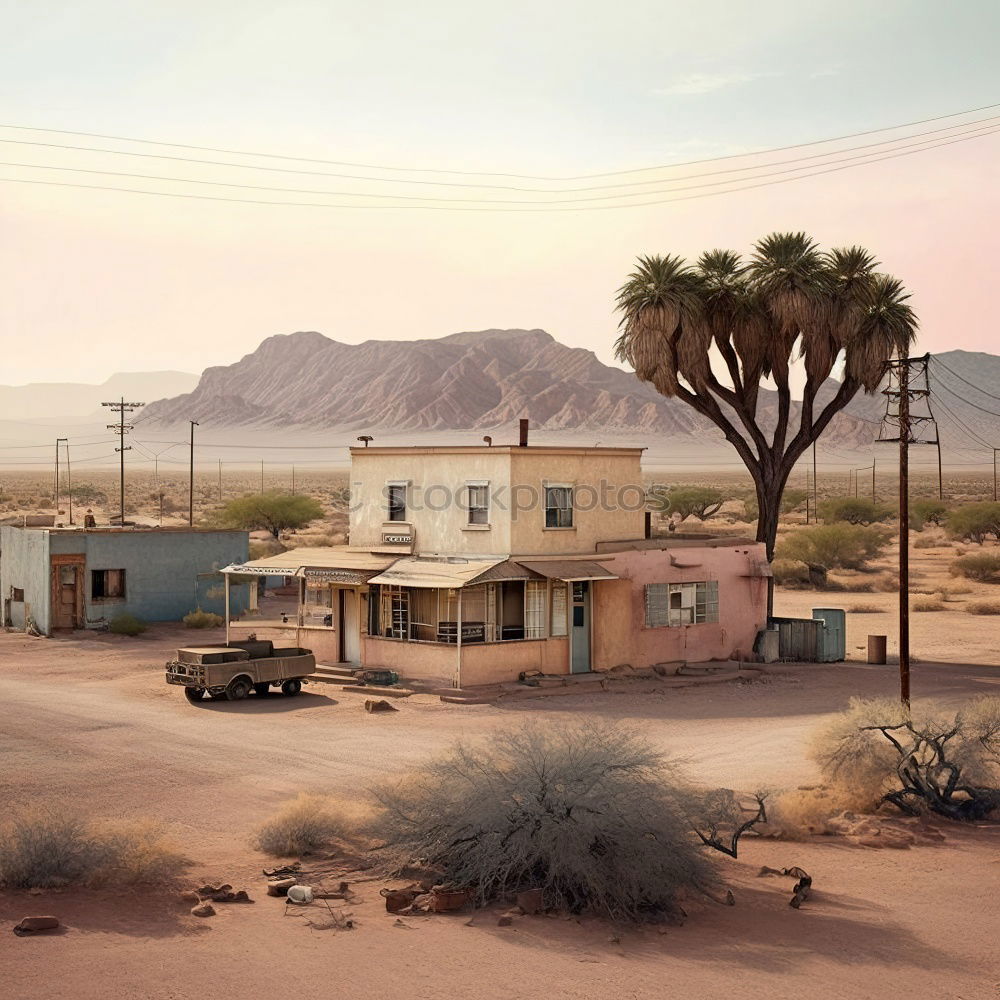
x: 97, y: 282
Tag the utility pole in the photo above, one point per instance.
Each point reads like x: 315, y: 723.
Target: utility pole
x: 995, y: 450
x: 55, y: 492
x: 69, y: 482
x: 940, y: 473
x: 293, y: 480
x: 194, y: 424
x: 121, y: 408
x: 262, y: 476
x: 815, y: 493
x: 220, y: 480
x: 808, y: 494
x: 873, y: 479
x: 900, y: 392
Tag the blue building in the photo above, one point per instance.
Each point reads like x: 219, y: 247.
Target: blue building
x: 66, y: 578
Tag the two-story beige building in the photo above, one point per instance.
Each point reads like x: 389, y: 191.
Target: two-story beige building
x: 473, y: 564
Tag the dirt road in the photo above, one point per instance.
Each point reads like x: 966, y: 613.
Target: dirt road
x: 88, y: 721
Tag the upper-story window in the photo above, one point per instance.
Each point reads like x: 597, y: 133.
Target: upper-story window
x: 396, y: 501
x: 478, y: 495
x: 558, y: 506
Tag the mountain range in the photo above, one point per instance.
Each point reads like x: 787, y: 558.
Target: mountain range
x: 488, y: 379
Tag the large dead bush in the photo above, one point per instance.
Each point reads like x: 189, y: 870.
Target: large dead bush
x: 933, y: 760
x: 304, y: 824
x: 592, y: 815
x: 40, y: 849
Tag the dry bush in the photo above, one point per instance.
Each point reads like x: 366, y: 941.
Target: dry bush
x: 126, y: 624
x: 886, y: 583
x: 41, y: 849
x: 592, y: 815
x: 791, y: 573
x: 852, y: 585
x: 836, y: 546
x: 866, y: 609
x: 983, y: 607
x: 984, y: 567
x: 926, y: 604
x: 943, y: 761
x: 203, y: 619
x: 927, y: 542
x: 304, y: 824
x: 806, y: 812
x: 261, y: 550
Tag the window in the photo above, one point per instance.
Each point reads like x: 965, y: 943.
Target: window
x: 558, y: 506
x: 479, y: 503
x: 17, y: 595
x: 107, y: 584
x: 396, y: 497
x: 395, y: 612
x: 558, y: 609
x: 534, y: 609
x: 674, y: 604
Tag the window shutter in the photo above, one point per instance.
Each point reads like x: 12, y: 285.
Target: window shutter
x: 534, y: 609
x: 558, y: 609
x: 657, y: 605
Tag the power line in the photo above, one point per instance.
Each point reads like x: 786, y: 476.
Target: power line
x: 542, y: 207
x: 968, y: 402
x: 919, y: 147
x: 961, y: 378
x: 971, y: 434
x: 484, y: 173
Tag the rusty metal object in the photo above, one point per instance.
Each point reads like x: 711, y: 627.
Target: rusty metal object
x: 445, y: 900
x: 876, y: 649
x: 398, y: 899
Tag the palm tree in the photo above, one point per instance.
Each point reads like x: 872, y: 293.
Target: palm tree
x: 789, y: 299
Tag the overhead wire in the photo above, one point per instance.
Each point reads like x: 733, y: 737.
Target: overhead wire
x: 937, y: 361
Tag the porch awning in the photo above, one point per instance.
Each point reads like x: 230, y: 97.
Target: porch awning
x: 569, y: 570
x: 446, y: 574
x: 335, y: 564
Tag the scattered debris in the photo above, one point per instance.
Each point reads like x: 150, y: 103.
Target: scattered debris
x: 223, y: 894
x: 190, y: 896
x: 402, y: 923
x: 33, y: 925
x: 802, y: 887
x: 398, y: 899
x: 445, y: 900
x: 882, y: 831
x: 203, y: 910
x: 379, y: 705
x: 505, y: 921
x: 284, y: 870
x: 280, y: 886
x: 299, y: 894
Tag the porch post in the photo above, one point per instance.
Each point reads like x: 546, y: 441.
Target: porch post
x: 458, y: 641
x: 226, y: 575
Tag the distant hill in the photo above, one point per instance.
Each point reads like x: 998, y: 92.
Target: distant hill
x: 45, y: 400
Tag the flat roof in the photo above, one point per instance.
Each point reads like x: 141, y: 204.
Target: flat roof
x: 113, y: 529
x: 496, y: 449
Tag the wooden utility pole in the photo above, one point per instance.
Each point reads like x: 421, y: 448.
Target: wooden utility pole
x: 220, y: 480
x: 940, y: 473
x: 873, y: 480
x: 121, y: 408
x: 55, y: 486
x: 262, y: 475
x: 293, y: 480
x: 995, y: 450
x: 194, y: 424
x: 69, y: 482
x: 815, y: 492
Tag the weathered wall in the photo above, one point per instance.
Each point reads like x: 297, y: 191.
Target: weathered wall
x: 24, y: 563
x: 428, y: 662
x: 620, y: 634
x: 491, y: 663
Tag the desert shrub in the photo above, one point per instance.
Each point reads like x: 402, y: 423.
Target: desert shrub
x: 591, y: 814
x: 945, y: 762
x: 260, y: 550
x: 926, y: 542
x: 974, y: 522
x: 983, y: 607
x: 923, y: 512
x: 45, y: 850
x: 308, y: 822
x: 926, y: 604
x: 203, y: 619
x: 274, y: 511
x: 852, y: 586
x: 790, y: 572
x: 702, y: 502
x: 886, y: 583
x: 805, y: 812
x: 853, y: 510
x: 866, y: 609
x: 981, y: 566
x: 126, y: 624
x: 836, y: 546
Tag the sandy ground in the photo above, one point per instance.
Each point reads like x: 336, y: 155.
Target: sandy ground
x: 88, y: 721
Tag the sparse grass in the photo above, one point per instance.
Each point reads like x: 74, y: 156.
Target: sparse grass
x: 886, y: 583
x: 866, y: 609
x: 852, y: 585
x: 41, y: 849
x: 926, y: 604
x: 203, y: 619
x: 983, y: 607
x: 304, y: 824
x: 126, y: 624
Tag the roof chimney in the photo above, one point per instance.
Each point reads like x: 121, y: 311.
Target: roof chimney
x: 523, y: 424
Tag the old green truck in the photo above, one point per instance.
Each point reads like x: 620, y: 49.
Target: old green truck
x: 230, y: 672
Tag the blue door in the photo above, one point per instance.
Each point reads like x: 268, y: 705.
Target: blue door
x: 580, y: 629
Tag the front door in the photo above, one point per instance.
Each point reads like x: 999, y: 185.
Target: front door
x: 350, y: 630
x: 580, y: 629
x: 67, y: 592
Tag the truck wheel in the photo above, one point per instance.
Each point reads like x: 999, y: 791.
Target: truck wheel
x: 238, y: 689
x: 194, y: 695
x: 294, y: 686
x: 261, y: 689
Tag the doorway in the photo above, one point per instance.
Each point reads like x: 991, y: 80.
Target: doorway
x: 67, y: 592
x: 580, y: 628
x: 350, y: 628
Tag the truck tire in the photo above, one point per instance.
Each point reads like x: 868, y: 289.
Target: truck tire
x: 194, y: 695
x: 291, y: 687
x: 238, y: 689
x: 262, y: 688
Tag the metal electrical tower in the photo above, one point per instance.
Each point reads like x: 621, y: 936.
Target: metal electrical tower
x: 908, y: 420
x: 121, y: 408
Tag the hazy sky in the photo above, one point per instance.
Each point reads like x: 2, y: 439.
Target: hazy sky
x: 97, y: 282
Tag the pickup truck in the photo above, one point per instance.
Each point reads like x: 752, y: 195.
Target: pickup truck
x: 230, y: 672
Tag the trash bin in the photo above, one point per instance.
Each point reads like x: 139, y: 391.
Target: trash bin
x: 876, y: 649
x: 832, y: 641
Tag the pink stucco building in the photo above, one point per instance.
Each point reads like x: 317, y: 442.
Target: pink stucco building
x: 471, y: 565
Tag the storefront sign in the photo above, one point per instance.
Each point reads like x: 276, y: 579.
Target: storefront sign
x: 392, y: 539
x: 350, y: 576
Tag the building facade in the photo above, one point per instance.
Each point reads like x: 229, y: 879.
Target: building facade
x: 69, y: 578
x: 473, y: 565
